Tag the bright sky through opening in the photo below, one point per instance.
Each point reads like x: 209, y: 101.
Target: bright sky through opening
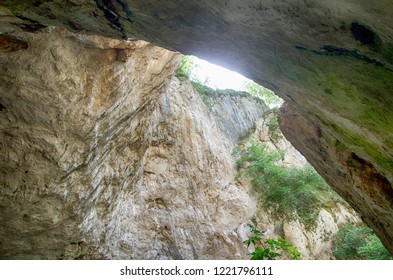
x: 218, y: 77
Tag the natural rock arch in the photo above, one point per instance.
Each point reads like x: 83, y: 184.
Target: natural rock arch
x: 331, y: 62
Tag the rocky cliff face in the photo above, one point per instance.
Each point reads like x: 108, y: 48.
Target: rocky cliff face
x: 331, y: 61
x: 105, y: 154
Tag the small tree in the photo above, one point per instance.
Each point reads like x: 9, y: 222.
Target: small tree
x: 186, y: 67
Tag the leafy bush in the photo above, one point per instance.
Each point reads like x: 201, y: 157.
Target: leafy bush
x: 271, y: 248
x: 302, y: 192
x: 353, y: 242
x: 186, y: 67
x: 255, y: 161
x: 291, y: 193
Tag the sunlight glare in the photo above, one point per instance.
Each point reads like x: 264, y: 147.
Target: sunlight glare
x: 218, y: 77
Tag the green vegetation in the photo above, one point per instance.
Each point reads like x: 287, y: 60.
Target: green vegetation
x: 186, y: 67
x: 260, y: 92
x: 185, y: 70
x: 270, y: 249
x: 353, y: 242
x: 204, y: 93
x: 274, y: 129
x: 291, y: 193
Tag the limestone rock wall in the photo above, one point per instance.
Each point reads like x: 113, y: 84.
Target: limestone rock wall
x: 236, y: 114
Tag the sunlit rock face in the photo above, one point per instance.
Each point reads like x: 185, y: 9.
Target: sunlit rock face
x: 330, y: 60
